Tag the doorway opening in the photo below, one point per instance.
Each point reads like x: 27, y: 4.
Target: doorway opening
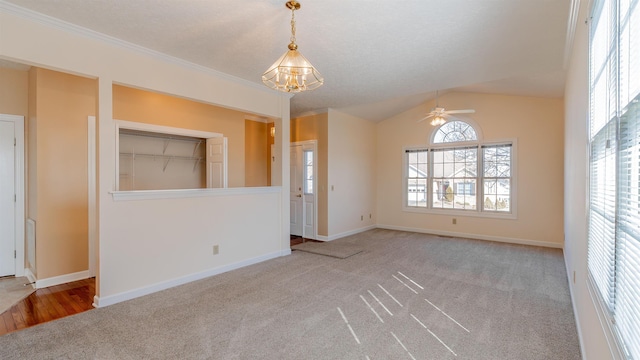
x: 303, y: 189
x: 12, y: 195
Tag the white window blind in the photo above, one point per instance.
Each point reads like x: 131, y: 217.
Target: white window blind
x: 614, y: 199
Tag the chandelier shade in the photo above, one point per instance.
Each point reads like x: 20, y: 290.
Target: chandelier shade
x: 292, y: 72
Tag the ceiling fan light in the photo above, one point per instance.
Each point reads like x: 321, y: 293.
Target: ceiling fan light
x: 438, y: 120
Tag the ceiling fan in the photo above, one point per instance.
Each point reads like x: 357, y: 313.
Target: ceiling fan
x: 440, y: 115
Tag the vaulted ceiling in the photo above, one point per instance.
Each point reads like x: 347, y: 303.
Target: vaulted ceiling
x: 378, y: 57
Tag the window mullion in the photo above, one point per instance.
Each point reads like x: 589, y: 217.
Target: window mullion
x: 480, y: 180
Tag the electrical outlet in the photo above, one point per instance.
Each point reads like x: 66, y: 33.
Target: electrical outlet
x: 454, y: 221
x: 215, y: 250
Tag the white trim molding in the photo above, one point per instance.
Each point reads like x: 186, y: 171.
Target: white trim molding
x: 346, y: 233
x: 135, y: 293
x: 571, y: 279
x: 91, y: 34
x: 30, y: 276
x: 92, y: 195
x: 62, y: 279
x: 19, y: 190
x: 189, y: 193
x: 474, y: 236
x: 605, y: 319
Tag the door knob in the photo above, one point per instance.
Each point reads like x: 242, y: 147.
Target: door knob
x: 298, y: 195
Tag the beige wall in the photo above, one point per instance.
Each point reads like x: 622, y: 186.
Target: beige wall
x: 152, y: 108
x: 537, y: 126
x: 592, y: 338
x: 315, y: 127
x: 256, y: 154
x: 59, y: 178
x: 351, y: 174
x: 14, y: 87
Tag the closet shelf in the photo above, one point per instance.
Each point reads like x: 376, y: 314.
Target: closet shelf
x: 164, y: 157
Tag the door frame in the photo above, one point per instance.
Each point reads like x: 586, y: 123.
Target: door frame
x: 19, y: 168
x: 313, y: 144
x: 92, y: 206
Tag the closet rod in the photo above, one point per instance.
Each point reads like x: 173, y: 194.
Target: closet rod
x: 195, y: 158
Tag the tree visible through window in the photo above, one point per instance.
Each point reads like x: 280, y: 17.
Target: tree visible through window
x: 458, y: 172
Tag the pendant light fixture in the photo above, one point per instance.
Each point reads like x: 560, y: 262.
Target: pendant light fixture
x: 292, y: 72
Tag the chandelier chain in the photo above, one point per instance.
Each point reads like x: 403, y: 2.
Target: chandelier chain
x: 293, y: 25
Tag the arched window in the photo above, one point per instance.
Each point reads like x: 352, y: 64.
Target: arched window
x: 459, y: 172
x: 455, y: 131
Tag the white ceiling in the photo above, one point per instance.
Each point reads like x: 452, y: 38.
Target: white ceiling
x: 378, y: 57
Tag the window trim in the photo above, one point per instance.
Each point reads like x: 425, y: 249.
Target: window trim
x: 478, y: 212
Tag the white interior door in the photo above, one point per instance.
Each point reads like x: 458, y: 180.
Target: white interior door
x: 303, y: 191
x: 217, y: 162
x: 7, y: 199
x: 295, y: 193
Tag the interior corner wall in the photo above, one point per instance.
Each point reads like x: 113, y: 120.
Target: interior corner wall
x: 63, y: 103
x: 535, y: 123
x: 32, y: 147
x: 593, y: 340
x: 149, y: 107
x: 351, y: 174
x: 256, y: 157
x: 315, y: 127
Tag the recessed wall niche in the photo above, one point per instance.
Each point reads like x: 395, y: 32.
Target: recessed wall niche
x: 157, y: 161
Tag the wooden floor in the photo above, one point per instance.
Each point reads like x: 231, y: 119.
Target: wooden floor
x: 49, y: 304
x: 59, y: 301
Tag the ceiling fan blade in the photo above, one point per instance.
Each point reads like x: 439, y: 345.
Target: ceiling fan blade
x: 452, y: 118
x: 468, y: 111
x: 425, y: 118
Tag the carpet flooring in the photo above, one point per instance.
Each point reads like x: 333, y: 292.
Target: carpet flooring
x: 340, y: 250
x: 406, y: 296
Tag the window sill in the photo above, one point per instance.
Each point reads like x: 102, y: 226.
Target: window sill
x: 189, y: 193
x: 469, y: 213
x: 606, y: 321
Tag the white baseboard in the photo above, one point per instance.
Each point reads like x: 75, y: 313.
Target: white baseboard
x: 30, y: 276
x: 102, y: 301
x: 573, y: 305
x: 62, y: 279
x: 346, y: 233
x: 474, y: 236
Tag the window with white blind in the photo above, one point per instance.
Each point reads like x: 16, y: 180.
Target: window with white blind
x: 458, y: 172
x: 614, y: 200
